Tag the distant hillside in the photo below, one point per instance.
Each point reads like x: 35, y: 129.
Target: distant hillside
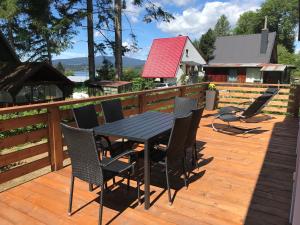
x: 81, y: 63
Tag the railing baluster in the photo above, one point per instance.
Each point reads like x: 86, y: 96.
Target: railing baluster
x: 55, y: 138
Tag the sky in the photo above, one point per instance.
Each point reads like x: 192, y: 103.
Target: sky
x: 192, y: 18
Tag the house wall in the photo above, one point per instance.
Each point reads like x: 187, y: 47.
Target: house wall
x: 241, y: 75
x: 253, y: 75
x: 190, y: 53
x: 216, y: 74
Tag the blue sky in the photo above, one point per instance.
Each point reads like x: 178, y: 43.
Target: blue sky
x: 192, y: 18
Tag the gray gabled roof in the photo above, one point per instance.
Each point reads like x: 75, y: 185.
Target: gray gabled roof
x: 242, y: 49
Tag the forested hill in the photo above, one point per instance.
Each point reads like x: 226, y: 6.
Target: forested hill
x: 81, y: 63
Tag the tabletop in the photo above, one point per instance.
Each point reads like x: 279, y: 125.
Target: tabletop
x: 141, y: 127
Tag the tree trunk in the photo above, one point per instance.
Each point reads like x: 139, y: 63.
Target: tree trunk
x: 10, y: 35
x: 49, y: 50
x: 118, y: 39
x: 90, y: 31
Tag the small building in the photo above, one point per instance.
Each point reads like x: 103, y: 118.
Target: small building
x: 35, y: 82
x: 247, y: 58
x: 22, y: 83
x: 171, y: 58
x: 108, y: 87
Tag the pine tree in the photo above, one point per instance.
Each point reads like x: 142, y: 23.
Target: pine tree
x: 60, y: 67
x: 206, y: 44
x: 39, y: 29
x: 106, y: 71
x: 222, y: 27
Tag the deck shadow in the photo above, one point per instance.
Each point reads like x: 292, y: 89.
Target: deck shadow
x: 271, y: 199
x: 225, y: 129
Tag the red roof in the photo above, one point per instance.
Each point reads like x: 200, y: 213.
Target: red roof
x: 164, y: 57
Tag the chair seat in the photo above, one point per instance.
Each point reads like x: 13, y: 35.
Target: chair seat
x: 230, y: 109
x: 117, y: 166
x: 229, y: 117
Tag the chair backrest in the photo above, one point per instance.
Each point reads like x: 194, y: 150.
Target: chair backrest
x: 183, y: 106
x: 272, y: 91
x: 257, y: 105
x: 176, y: 145
x: 196, y: 117
x: 112, y: 110
x: 83, y: 154
x: 86, y: 117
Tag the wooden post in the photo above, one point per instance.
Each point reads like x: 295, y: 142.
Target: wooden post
x: 55, y: 138
x: 182, y: 91
x: 296, y: 101
x: 142, y: 102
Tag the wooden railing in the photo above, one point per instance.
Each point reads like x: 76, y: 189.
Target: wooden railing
x: 30, y: 136
x: 241, y: 95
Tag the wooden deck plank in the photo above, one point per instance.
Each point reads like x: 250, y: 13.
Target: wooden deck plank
x: 243, y: 179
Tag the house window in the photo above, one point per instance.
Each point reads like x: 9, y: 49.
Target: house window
x: 232, y: 76
x: 187, y: 53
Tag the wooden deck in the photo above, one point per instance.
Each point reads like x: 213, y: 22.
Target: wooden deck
x: 243, y: 179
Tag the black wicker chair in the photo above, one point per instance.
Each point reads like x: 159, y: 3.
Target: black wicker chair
x: 86, y: 118
x: 183, y: 106
x: 112, y: 111
x: 87, y: 166
x: 174, y: 154
x: 190, y: 142
x: 253, y: 109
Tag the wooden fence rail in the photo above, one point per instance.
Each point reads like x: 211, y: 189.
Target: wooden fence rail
x: 30, y: 135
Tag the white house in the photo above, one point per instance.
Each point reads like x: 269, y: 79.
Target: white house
x: 171, y: 58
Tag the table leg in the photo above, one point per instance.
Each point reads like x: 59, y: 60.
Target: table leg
x: 147, y: 175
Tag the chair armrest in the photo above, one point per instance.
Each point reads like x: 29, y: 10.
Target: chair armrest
x: 118, y: 157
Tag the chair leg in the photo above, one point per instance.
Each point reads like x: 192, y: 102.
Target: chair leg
x: 90, y: 187
x: 196, y: 156
x: 168, y: 183
x: 138, y: 189
x: 128, y: 181
x: 195, y: 150
x: 71, y: 196
x: 101, y: 205
x: 184, y: 174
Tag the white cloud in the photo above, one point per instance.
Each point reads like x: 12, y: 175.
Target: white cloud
x: 97, y: 34
x: 132, y: 11
x: 178, y: 2
x: 194, y: 22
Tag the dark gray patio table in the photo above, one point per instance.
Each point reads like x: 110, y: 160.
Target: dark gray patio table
x: 143, y: 128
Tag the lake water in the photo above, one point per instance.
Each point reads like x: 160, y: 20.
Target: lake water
x: 81, y: 73
x: 79, y: 76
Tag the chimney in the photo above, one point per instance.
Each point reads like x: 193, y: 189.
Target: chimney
x: 264, y: 38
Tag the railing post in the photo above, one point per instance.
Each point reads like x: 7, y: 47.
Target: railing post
x: 55, y: 138
x: 142, y: 102
x: 296, y: 101
x: 182, y: 91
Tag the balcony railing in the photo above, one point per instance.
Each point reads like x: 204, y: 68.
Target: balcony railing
x: 31, y: 135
